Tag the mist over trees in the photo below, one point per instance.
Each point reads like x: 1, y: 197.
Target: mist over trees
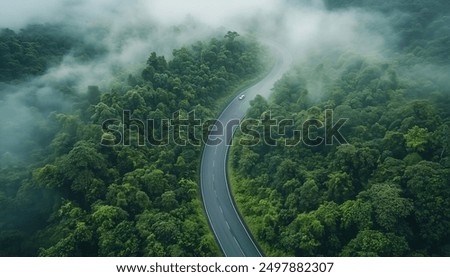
x: 385, y: 193
x: 65, y: 68
x: 85, y: 199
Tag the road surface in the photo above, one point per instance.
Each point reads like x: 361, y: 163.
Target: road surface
x: 232, y: 235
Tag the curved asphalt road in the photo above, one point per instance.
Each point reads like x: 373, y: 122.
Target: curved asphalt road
x: 233, y: 237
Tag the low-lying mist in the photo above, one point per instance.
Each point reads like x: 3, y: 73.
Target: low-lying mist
x: 124, y: 33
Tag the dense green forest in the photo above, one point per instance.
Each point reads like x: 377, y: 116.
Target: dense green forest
x: 386, y: 192
x: 73, y: 184
x: 34, y: 49
x: 75, y: 197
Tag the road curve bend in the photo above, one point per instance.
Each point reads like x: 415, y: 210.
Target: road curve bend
x: 231, y: 233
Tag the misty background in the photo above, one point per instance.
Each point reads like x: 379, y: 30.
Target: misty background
x: 54, y: 55
x: 120, y: 35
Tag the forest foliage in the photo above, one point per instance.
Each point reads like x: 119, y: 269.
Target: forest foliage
x: 34, y: 49
x: 386, y: 192
x: 80, y: 198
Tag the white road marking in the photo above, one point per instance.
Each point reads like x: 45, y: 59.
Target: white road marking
x: 240, y: 248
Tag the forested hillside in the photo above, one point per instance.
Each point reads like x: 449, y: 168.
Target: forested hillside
x: 86, y: 87
x: 386, y: 192
x: 32, y: 50
x: 78, y: 197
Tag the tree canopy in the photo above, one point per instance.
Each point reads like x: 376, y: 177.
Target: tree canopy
x: 122, y: 200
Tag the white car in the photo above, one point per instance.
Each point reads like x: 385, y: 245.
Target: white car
x: 241, y: 97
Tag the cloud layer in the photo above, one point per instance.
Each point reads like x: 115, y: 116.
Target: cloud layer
x: 130, y: 30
